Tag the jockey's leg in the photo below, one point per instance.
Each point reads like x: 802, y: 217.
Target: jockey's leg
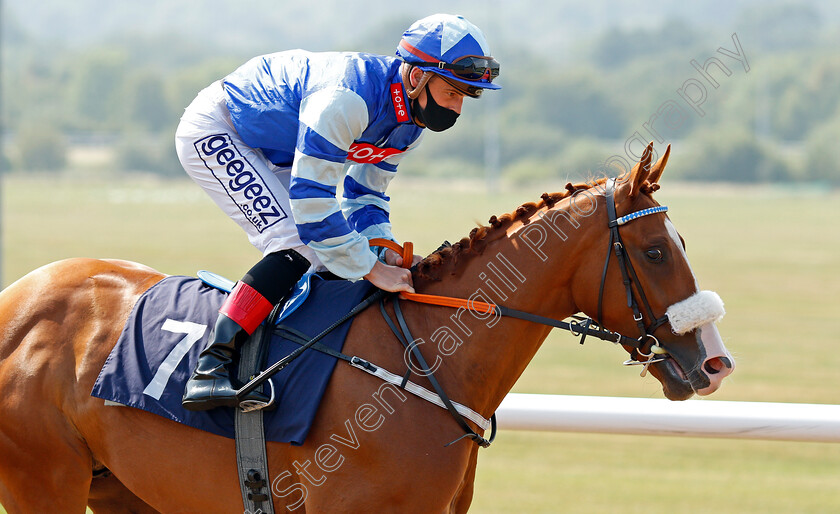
x: 268, y: 283
x: 253, y: 192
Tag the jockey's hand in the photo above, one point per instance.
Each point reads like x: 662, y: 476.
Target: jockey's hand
x: 390, y: 278
x: 392, y: 258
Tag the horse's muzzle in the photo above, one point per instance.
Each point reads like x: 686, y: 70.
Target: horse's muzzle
x: 717, y: 364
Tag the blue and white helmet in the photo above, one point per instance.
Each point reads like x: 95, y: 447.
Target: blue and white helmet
x: 451, y: 47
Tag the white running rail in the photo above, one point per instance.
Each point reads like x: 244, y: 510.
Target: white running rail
x: 696, y: 418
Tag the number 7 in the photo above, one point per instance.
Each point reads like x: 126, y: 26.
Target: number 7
x: 193, y: 332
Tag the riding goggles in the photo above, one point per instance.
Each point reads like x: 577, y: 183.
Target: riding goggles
x: 468, y: 67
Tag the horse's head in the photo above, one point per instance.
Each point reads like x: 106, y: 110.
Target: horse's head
x: 648, y: 290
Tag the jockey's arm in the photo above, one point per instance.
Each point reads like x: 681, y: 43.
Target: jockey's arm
x: 330, y: 120
x: 366, y: 206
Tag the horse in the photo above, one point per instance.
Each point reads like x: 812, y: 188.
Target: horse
x: 371, y: 447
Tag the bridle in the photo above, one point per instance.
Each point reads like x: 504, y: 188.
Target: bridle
x: 582, y: 327
x: 631, y: 281
x: 579, y: 326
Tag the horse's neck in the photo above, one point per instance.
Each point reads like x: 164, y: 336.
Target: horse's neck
x: 529, y: 269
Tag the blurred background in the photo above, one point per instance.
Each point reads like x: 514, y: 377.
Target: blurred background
x: 93, y: 86
x: 747, y: 92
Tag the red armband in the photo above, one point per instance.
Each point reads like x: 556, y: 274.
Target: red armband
x: 246, y: 307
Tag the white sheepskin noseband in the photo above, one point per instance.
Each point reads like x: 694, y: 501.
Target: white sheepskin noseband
x: 696, y: 310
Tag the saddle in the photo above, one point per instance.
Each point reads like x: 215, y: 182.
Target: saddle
x: 170, y: 325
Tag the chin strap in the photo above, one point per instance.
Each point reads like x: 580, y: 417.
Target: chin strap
x: 405, y: 73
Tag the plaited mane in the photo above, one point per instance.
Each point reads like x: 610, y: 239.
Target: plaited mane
x: 432, y: 267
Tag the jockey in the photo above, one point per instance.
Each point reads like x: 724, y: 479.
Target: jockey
x: 271, y: 141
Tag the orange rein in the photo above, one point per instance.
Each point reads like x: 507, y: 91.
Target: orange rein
x: 407, y: 253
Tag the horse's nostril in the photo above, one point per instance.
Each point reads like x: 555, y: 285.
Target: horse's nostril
x: 716, y: 365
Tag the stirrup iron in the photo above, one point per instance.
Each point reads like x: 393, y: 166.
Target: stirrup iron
x: 255, y: 405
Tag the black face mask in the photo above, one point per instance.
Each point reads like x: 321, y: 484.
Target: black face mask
x: 433, y: 116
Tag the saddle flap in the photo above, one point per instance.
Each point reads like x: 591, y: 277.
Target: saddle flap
x: 215, y: 280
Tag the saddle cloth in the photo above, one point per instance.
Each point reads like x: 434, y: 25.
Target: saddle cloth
x: 172, y: 323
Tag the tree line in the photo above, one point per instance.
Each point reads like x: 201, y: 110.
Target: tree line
x: 774, y: 117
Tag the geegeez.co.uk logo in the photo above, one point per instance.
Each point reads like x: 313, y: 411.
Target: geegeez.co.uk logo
x: 240, y: 180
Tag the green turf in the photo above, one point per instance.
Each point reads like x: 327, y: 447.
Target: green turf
x: 772, y: 255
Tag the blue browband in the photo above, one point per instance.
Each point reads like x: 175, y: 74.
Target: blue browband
x: 638, y: 214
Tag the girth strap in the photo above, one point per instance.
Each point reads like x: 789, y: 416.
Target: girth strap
x: 251, y: 459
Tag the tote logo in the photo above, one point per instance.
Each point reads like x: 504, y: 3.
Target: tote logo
x: 398, y: 99
x: 366, y: 153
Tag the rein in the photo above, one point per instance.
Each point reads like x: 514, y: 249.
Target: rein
x: 580, y: 326
x: 403, y: 334
x: 258, y: 380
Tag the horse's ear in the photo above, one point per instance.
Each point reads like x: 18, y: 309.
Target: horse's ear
x: 659, y: 167
x: 640, y: 171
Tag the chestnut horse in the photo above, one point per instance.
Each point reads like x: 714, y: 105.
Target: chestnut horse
x: 371, y: 448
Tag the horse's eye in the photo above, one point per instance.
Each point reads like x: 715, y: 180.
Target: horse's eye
x: 654, y: 254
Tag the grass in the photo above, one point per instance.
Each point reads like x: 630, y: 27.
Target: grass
x: 773, y: 256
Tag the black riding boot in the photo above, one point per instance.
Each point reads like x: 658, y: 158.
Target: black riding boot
x: 210, y: 386
x: 268, y: 283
